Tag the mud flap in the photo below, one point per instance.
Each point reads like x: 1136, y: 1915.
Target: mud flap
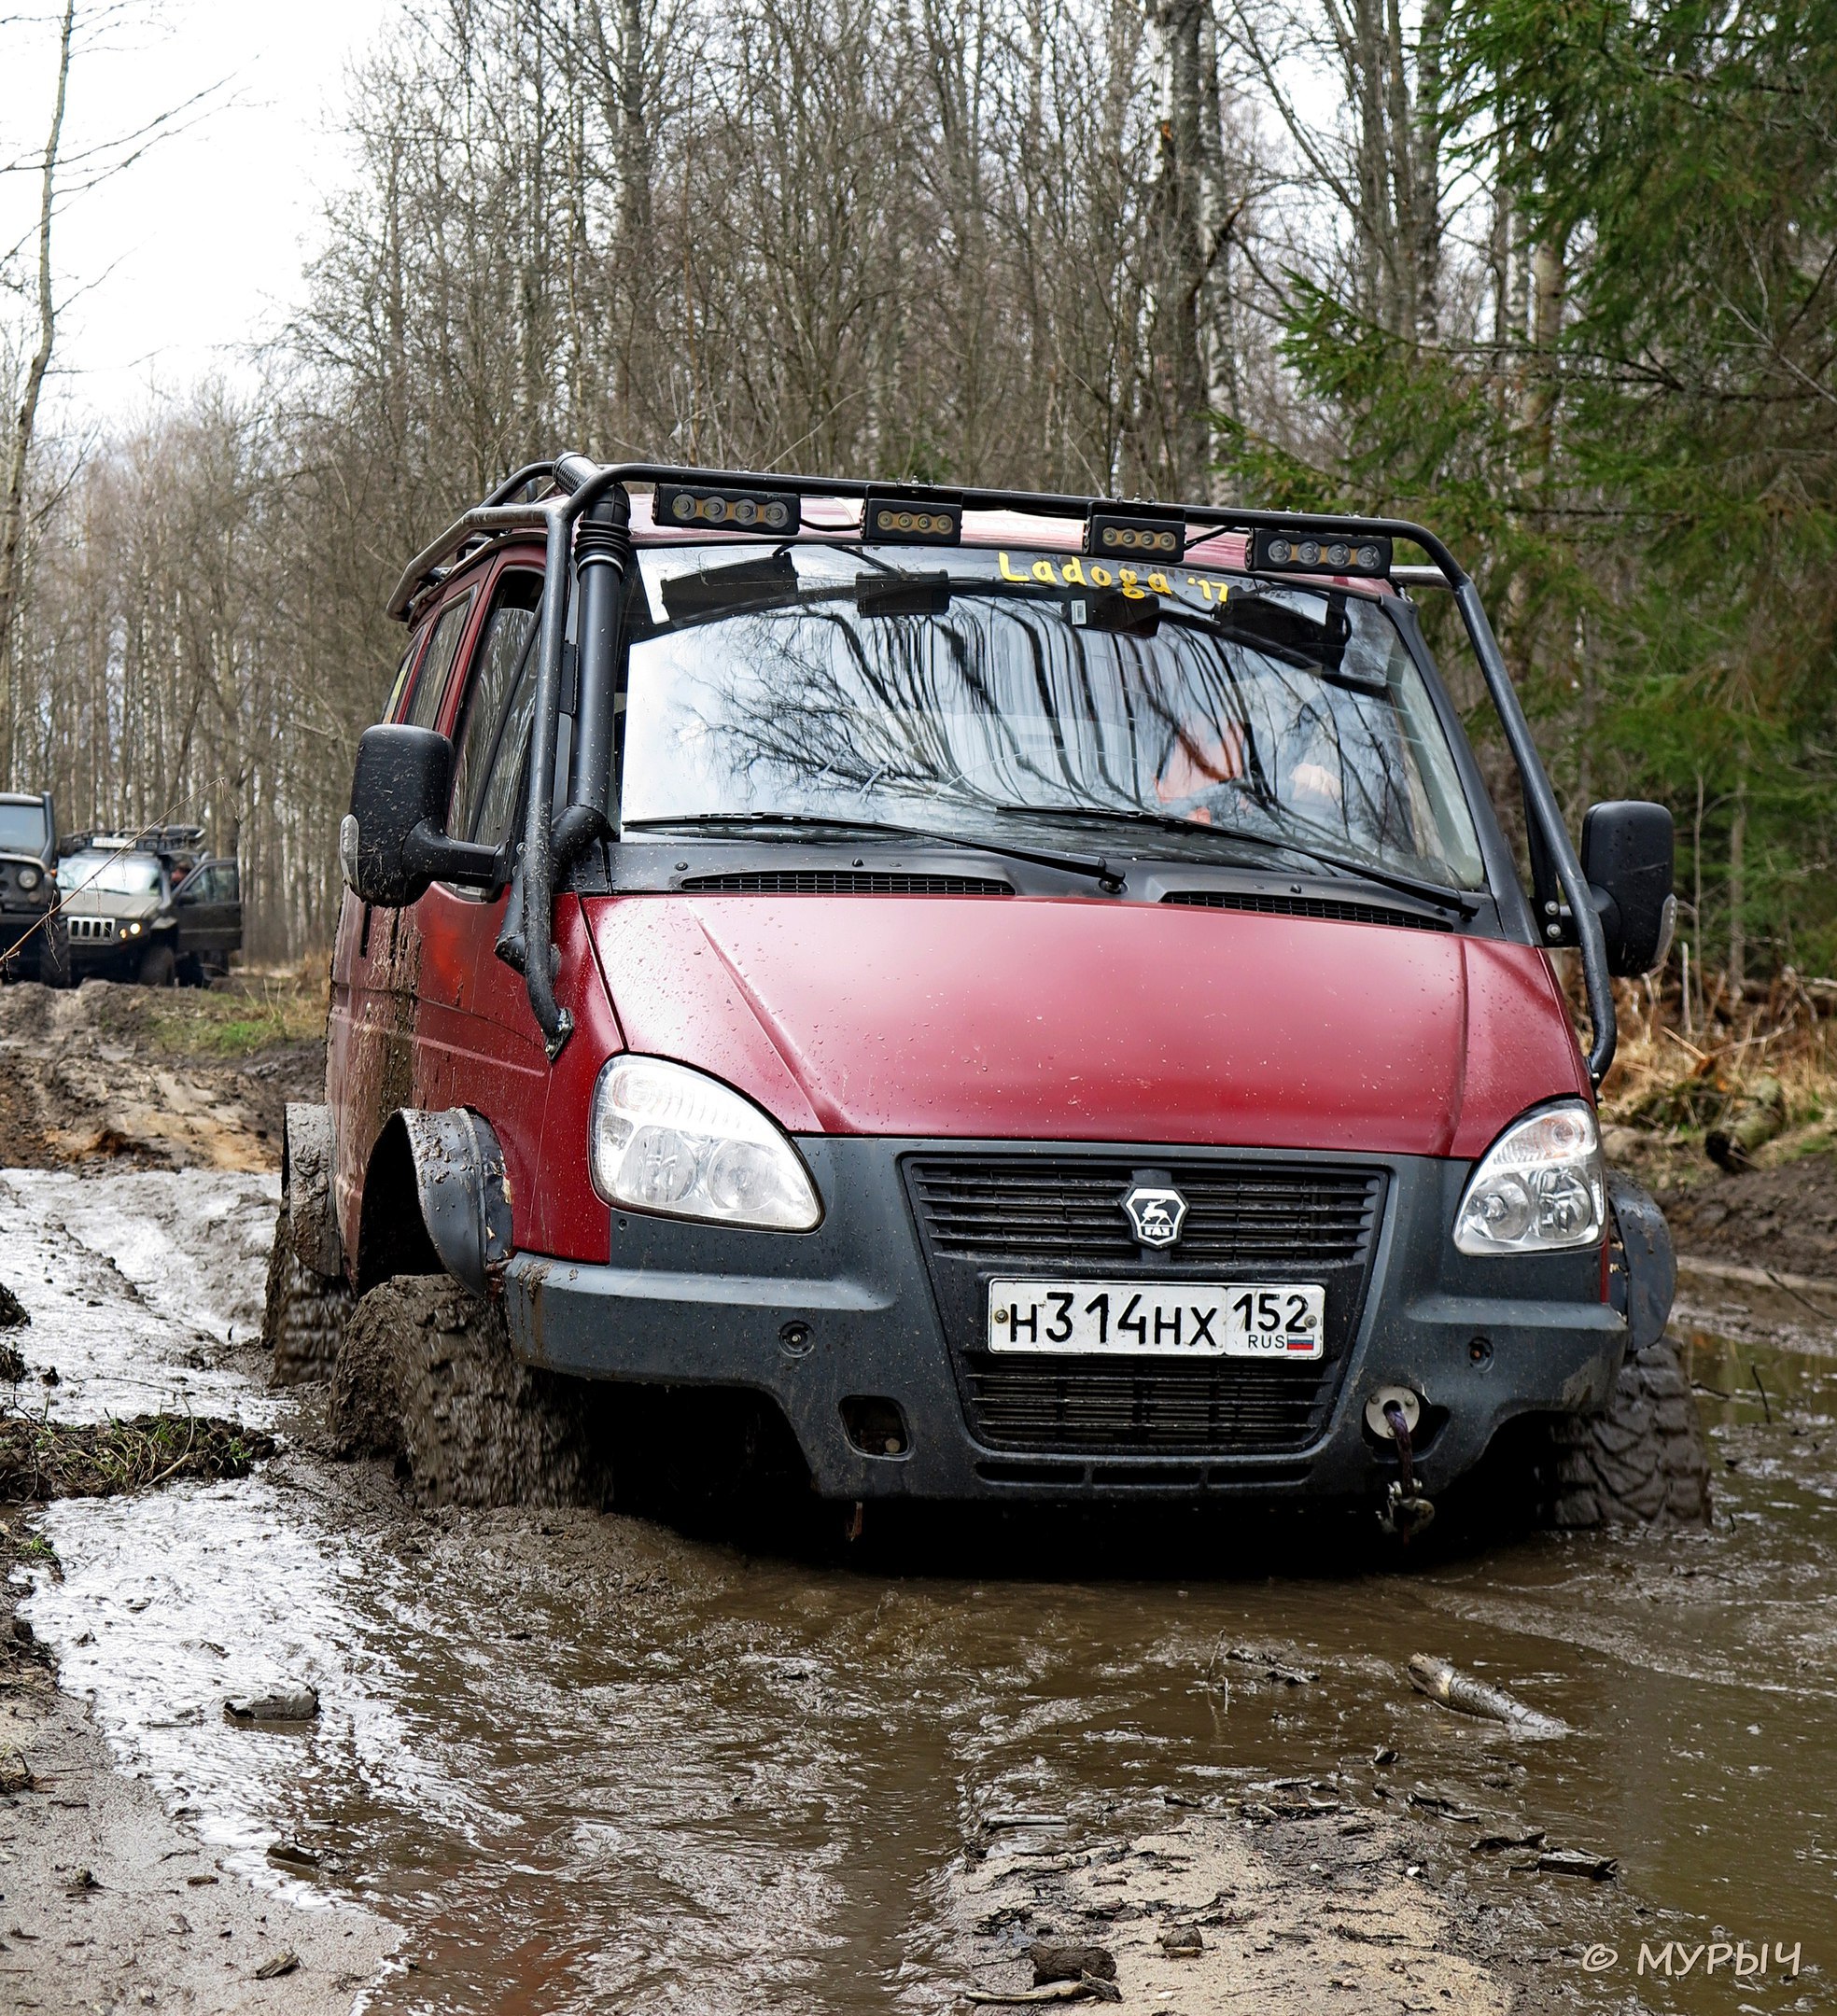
x: 308, y: 1153
x: 1644, y: 1269
x: 464, y: 1197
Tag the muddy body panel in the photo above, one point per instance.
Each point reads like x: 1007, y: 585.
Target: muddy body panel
x: 887, y: 1303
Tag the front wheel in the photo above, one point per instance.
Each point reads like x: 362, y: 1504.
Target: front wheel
x: 426, y: 1376
x: 53, y: 958
x: 303, y: 1316
x: 156, y: 967
x: 1641, y: 1460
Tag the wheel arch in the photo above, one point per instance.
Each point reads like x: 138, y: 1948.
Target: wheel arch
x: 435, y: 1200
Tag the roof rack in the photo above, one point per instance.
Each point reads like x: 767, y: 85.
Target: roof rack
x: 146, y: 840
x: 552, y: 496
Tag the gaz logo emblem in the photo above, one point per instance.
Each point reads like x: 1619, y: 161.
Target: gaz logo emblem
x: 1156, y: 1216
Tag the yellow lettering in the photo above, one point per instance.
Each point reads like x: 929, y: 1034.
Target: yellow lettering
x: 1007, y: 572
x: 1074, y: 572
x: 1130, y: 588
x: 1100, y: 576
x: 1043, y: 571
x: 1158, y: 583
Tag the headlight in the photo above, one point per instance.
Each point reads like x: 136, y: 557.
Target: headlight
x: 1540, y: 1187
x: 665, y: 1139
x: 130, y: 930
x: 30, y: 878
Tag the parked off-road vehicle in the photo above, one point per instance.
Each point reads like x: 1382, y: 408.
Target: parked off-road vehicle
x: 152, y: 907
x: 1030, y: 990
x: 32, y: 944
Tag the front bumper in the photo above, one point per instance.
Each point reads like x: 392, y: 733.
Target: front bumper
x: 858, y: 1309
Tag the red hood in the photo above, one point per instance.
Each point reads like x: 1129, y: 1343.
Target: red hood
x: 1091, y: 1020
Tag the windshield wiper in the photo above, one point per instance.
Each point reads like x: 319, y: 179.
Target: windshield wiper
x: 1098, y: 871
x: 1429, y: 892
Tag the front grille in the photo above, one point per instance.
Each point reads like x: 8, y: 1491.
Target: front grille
x: 1059, y: 1215
x: 91, y: 928
x: 1037, y: 1209
x: 845, y: 882
x: 1308, y: 906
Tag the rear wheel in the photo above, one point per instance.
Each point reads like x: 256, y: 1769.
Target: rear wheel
x: 156, y: 967
x: 426, y: 1376
x: 192, y: 971
x: 1641, y: 1460
x: 303, y: 1316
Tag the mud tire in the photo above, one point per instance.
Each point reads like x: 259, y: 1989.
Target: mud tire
x: 1642, y: 1460
x: 426, y: 1376
x: 303, y: 1316
x: 53, y: 966
x: 156, y: 967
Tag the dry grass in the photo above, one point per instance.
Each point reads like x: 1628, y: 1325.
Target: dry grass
x: 42, y: 1459
x: 1670, y: 1089
x: 252, y: 1011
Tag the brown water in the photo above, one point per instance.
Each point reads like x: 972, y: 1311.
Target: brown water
x: 592, y: 1764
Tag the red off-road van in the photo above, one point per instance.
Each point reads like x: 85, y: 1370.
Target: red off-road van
x: 1031, y: 989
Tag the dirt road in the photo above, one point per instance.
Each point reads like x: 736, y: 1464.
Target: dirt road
x: 570, y: 1761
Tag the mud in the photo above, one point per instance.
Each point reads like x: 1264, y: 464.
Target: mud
x: 575, y: 1760
x: 1783, y: 1218
x: 112, y: 1072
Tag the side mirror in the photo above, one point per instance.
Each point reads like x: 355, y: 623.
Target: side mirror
x: 1627, y: 847
x: 392, y: 846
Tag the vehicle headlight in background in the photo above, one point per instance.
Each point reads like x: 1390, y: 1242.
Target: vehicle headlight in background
x: 30, y: 878
x: 130, y: 930
x: 1541, y: 1187
x: 667, y: 1138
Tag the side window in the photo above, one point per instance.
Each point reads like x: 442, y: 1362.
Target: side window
x: 392, y: 711
x: 424, y: 703
x: 495, y: 722
x: 229, y: 882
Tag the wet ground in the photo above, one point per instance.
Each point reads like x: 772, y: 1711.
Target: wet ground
x: 591, y: 1763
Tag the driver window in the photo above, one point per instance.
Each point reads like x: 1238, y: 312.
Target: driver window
x: 496, y: 718
x: 424, y: 705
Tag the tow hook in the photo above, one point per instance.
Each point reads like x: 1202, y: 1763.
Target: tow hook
x: 1406, y: 1510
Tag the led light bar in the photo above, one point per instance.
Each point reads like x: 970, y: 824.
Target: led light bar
x: 726, y: 510
x: 1135, y: 538
x: 889, y: 519
x: 1320, y: 553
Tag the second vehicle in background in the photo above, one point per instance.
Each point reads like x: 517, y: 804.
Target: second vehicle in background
x: 32, y: 946
x: 150, y: 907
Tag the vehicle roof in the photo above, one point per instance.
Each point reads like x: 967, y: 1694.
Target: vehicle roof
x: 23, y: 797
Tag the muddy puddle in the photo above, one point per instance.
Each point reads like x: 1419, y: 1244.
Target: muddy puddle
x: 591, y: 1764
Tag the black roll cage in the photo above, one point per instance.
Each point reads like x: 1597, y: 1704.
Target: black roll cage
x: 570, y: 487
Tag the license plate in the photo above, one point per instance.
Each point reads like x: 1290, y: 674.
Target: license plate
x: 1172, y: 1320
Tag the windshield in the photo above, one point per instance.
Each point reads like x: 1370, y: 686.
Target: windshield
x: 22, y: 828
x: 110, y: 873
x: 982, y: 693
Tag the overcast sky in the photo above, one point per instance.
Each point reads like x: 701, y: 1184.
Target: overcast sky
x: 171, y: 270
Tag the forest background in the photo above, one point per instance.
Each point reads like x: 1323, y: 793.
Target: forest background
x: 1557, y: 276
